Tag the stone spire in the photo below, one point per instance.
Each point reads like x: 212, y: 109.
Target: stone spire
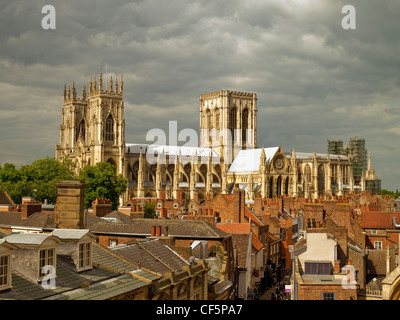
x: 110, y: 89
x: 73, y: 91
x: 101, y: 82
x: 121, y: 86
x: 83, y: 92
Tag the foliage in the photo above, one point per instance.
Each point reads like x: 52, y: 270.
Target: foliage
x: 35, y: 180
x: 149, y: 210
x: 392, y: 194
x: 102, y: 182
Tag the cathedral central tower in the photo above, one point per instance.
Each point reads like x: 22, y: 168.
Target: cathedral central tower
x: 228, y: 122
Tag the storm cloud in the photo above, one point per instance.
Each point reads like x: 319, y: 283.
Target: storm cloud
x: 314, y: 80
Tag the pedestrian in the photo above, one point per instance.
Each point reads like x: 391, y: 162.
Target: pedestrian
x: 272, y: 296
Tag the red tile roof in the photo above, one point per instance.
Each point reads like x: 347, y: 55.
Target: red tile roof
x: 241, y: 228
x: 234, y: 227
x: 256, y: 243
x: 249, y: 215
x: 375, y: 220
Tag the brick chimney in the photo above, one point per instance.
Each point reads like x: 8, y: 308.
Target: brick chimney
x: 69, y: 208
x: 29, y: 207
x: 101, y: 207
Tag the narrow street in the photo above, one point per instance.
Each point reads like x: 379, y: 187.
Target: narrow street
x: 267, y: 295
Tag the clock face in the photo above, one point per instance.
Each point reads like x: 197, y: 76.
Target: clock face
x: 279, y: 163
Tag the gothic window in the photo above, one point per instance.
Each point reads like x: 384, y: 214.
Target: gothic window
x: 208, y: 119
x: 80, y: 131
x: 110, y: 128
x: 203, y: 170
x: 321, y: 178
x: 287, y: 185
x: 245, y: 124
x: 299, y: 176
x: 279, y: 186
x: 271, y: 186
x: 217, y: 119
x: 307, y: 174
x: 232, y: 119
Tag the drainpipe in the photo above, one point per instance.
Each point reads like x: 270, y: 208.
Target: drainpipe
x: 394, y: 223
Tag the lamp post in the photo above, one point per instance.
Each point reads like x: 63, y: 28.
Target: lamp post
x: 291, y: 250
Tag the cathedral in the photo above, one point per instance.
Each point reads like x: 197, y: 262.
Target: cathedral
x: 93, y: 130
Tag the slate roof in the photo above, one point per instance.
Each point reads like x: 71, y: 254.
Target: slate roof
x: 142, y: 227
x: 105, y: 280
x: 36, y: 220
x: 152, y: 254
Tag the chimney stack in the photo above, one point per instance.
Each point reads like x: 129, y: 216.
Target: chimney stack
x: 69, y: 209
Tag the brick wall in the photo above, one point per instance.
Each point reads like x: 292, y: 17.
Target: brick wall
x: 314, y: 292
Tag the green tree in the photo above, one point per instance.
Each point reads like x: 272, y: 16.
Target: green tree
x: 102, y: 182
x: 9, y: 173
x: 149, y: 210
x: 35, y: 180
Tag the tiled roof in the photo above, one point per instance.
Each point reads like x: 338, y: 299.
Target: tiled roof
x: 24, y: 289
x: 176, y: 228
x: 36, y: 220
x: 249, y: 215
x: 5, y: 199
x: 10, y: 218
x: 256, y: 243
x: 242, y: 228
x: 105, y: 280
x: 106, y: 257
x: 106, y: 289
x: 152, y: 254
x: 379, y: 220
x: 234, y: 227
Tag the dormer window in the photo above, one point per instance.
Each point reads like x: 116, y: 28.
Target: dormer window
x: 85, y: 255
x: 46, y: 258
x: 5, y: 272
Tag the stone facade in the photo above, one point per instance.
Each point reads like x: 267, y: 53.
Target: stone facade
x: 93, y: 130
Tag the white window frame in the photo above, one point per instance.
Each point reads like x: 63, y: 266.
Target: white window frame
x: 84, y: 255
x: 159, y: 205
x: 378, y: 244
x: 5, y: 269
x: 47, y: 260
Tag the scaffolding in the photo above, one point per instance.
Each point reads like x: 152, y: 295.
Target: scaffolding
x: 336, y: 147
x: 358, y: 156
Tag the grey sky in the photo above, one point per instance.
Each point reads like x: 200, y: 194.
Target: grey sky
x: 314, y: 80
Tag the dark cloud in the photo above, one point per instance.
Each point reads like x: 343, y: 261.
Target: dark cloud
x: 314, y: 80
